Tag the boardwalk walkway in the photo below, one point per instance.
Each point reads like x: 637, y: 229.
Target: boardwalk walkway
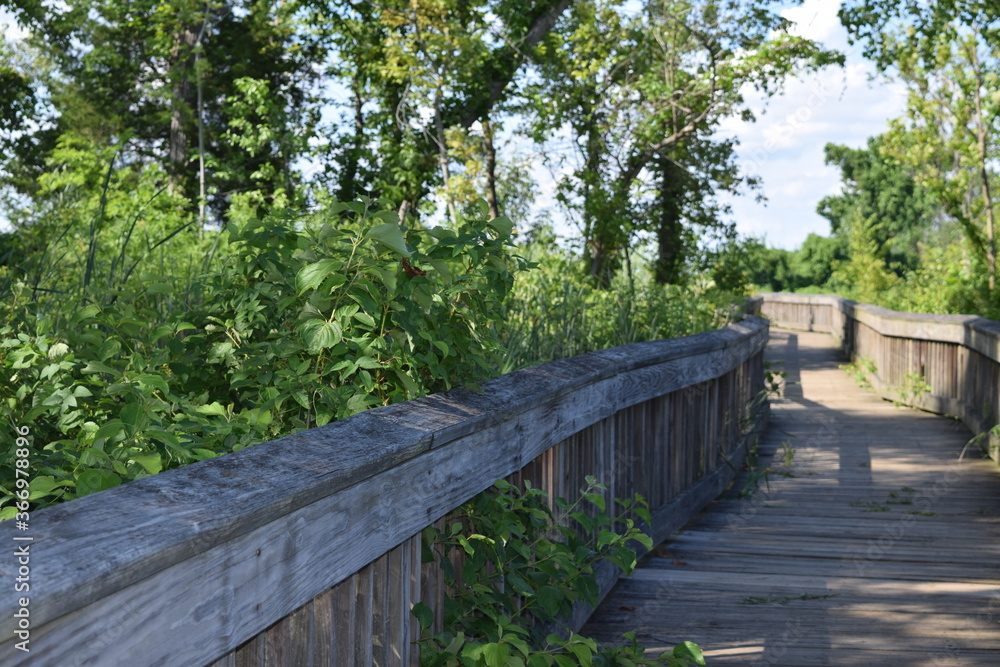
x: 881, y: 549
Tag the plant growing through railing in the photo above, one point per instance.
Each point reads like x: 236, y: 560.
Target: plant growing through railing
x: 774, y: 381
x: 860, y: 370
x: 914, y: 385
x: 787, y: 453
x: 756, y: 472
x: 987, y: 442
x: 523, y: 564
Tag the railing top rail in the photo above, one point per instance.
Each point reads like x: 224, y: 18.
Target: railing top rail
x: 976, y: 333
x: 94, y: 546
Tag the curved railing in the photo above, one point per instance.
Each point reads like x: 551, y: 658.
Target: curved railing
x: 306, y: 550
x: 947, y: 364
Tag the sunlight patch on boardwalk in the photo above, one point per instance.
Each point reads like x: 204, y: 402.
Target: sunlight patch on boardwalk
x: 875, y: 547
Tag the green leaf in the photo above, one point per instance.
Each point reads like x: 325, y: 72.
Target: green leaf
x: 84, y: 313
x: 108, y: 432
x: 214, y: 408
x: 132, y: 416
x: 312, y: 275
x: 455, y: 646
x: 582, y: 653
x: 150, y: 461
x: 41, y: 486
x: 518, y: 643
x: 389, y: 235
x: 588, y: 589
x: 151, y: 380
x: 689, y: 651
x: 550, y: 598
x: 496, y: 654
x: 320, y: 334
x: 606, y: 537
x: 369, y: 363
x: 597, y: 499
x: 644, y: 539
x: 424, y: 614
x: 92, y: 481
x: 386, y: 277
x: 503, y: 225
x: 97, y: 367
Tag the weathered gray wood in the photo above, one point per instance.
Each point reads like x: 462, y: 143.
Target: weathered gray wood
x: 805, y: 573
x: 958, y: 355
x: 324, y: 641
x: 193, y: 550
x: 344, y: 602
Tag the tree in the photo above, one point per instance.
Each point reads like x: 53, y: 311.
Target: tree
x: 170, y: 75
x: 876, y: 186
x: 642, y: 96
x: 420, y: 72
x: 948, y: 54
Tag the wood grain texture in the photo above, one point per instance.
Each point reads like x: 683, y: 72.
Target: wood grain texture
x: 220, y: 552
x: 881, y: 549
x: 958, y: 356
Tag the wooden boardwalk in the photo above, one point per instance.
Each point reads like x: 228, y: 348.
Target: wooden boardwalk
x: 881, y: 548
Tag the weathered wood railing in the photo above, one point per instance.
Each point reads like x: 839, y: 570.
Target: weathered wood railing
x: 956, y: 356
x: 306, y: 550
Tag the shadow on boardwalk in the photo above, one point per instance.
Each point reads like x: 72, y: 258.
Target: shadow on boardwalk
x: 879, y: 548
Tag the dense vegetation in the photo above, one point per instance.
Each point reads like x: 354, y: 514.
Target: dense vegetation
x: 229, y: 220
x: 915, y: 225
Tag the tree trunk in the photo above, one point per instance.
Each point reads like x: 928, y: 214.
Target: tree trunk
x: 348, y: 187
x: 670, y: 237
x: 491, y: 167
x: 182, y: 64
x: 984, y: 177
x: 596, y: 250
x: 443, y: 157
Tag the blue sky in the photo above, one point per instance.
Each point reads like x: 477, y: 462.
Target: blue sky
x: 785, y: 145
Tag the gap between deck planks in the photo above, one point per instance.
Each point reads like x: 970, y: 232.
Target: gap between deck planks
x: 882, y: 549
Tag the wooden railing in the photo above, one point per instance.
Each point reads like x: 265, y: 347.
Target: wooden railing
x: 947, y: 364
x: 306, y: 550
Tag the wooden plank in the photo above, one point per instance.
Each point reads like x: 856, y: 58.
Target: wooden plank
x: 380, y: 630
x: 397, y: 613
x: 251, y: 654
x: 217, y: 522
x: 363, y: 627
x: 154, y: 523
x: 801, y: 574
x: 324, y: 630
x: 344, y: 619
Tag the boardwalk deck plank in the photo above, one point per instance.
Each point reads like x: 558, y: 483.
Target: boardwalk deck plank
x: 832, y: 566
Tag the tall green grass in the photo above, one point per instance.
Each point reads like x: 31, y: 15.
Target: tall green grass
x: 554, y: 313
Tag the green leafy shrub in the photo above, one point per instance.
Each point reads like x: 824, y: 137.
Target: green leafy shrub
x: 524, y: 563
x: 297, y: 321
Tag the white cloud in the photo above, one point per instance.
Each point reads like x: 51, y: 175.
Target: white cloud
x: 785, y: 146
x: 816, y: 19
